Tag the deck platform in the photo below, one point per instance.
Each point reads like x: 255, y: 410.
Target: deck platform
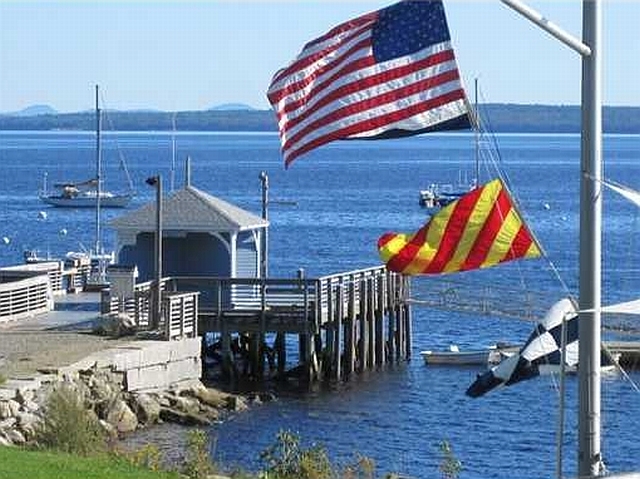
x: 344, y: 323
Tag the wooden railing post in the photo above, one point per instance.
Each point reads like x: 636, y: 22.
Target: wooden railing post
x: 350, y: 324
x: 391, y: 321
x: 337, y: 353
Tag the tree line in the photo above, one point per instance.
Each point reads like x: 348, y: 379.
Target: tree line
x: 507, y: 118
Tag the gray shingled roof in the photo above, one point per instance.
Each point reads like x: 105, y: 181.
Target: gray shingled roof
x: 190, y: 209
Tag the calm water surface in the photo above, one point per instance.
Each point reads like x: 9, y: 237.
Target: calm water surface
x: 346, y: 195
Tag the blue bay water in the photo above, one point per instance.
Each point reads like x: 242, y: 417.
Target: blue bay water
x: 346, y: 195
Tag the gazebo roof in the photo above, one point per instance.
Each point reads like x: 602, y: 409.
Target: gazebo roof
x: 191, y: 209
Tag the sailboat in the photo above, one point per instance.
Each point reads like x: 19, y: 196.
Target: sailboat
x: 439, y: 195
x: 87, y: 193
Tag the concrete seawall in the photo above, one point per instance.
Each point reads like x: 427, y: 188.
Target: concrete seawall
x: 147, y: 364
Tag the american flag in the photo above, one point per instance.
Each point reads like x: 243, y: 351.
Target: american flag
x: 386, y: 74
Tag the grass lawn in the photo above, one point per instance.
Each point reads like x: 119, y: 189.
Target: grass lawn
x: 18, y: 463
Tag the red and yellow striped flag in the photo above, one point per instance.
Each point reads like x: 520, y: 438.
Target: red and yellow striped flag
x: 479, y: 230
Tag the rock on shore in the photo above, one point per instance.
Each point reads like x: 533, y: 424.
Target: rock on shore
x: 22, y: 403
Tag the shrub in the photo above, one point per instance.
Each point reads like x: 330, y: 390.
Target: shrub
x: 362, y: 468
x: 147, y: 457
x: 287, y: 460
x: 3, y: 379
x: 197, y: 463
x: 68, y: 426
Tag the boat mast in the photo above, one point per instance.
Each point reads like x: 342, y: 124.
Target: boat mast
x: 589, y: 454
x: 98, y: 245
x: 477, y: 133
x: 172, y: 178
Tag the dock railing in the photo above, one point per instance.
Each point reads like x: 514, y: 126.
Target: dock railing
x: 310, y: 302
x: 344, y: 323
x: 25, y: 298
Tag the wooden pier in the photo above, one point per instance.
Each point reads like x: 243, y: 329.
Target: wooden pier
x: 344, y: 324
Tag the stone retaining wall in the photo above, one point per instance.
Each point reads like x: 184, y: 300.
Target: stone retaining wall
x: 142, y: 383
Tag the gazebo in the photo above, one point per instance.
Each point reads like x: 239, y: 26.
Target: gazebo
x: 202, y: 235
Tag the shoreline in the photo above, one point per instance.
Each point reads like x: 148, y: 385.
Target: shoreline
x: 40, y: 353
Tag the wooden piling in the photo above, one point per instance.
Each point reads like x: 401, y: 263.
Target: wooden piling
x: 345, y: 323
x: 350, y: 330
x: 337, y: 352
x: 363, y: 344
x: 379, y: 320
x: 391, y: 318
x: 329, y: 331
x: 409, y: 319
x: 281, y: 353
x: 371, y: 333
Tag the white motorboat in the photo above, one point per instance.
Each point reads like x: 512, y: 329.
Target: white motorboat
x: 490, y: 355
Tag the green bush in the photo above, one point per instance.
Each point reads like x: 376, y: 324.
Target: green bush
x: 287, y: 460
x: 147, y: 457
x: 362, y: 468
x: 68, y: 426
x: 197, y: 463
x: 3, y: 379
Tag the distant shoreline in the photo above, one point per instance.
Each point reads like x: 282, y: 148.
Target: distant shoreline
x: 498, y: 118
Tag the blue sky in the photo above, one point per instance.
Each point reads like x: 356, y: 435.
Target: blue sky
x: 192, y: 55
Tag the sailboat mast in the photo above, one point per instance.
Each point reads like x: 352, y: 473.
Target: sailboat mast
x: 98, y: 245
x: 477, y: 132
x: 589, y: 423
x: 172, y: 178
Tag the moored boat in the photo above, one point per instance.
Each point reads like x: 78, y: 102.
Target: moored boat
x: 72, y: 195
x: 89, y: 193
x: 491, y: 355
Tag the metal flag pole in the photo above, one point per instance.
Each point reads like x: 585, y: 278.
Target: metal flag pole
x: 589, y: 455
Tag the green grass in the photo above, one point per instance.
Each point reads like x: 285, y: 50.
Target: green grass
x: 16, y: 463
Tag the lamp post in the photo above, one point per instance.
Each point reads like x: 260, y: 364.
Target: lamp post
x: 157, y: 297
x: 264, y: 250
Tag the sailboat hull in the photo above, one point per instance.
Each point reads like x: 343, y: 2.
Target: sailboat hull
x: 111, y: 201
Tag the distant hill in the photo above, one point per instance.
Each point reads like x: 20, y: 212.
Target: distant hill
x: 231, y: 107
x: 34, y: 110
x: 499, y: 118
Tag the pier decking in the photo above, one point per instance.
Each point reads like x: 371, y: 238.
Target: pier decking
x: 344, y: 323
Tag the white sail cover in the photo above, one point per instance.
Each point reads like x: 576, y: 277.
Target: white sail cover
x: 543, y: 347
x: 625, y: 191
x: 628, y: 307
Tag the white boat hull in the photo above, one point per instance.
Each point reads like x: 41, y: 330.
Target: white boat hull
x: 114, y: 201
x: 462, y: 358
x: 476, y: 357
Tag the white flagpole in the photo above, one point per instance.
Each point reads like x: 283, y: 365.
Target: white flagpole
x: 548, y: 26
x: 589, y: 423
x: 589, y: 455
